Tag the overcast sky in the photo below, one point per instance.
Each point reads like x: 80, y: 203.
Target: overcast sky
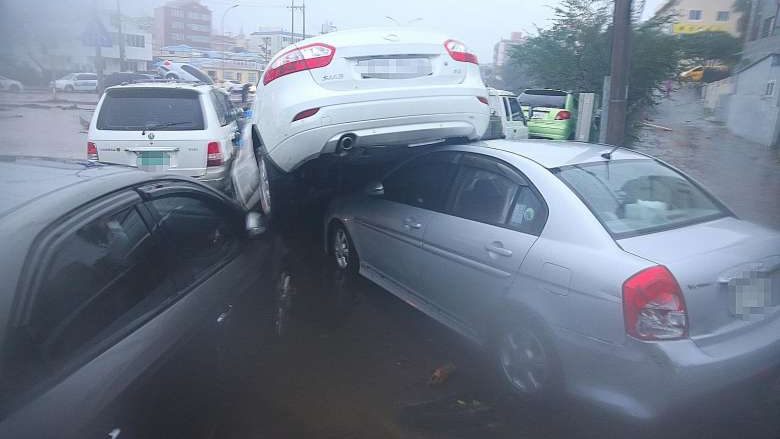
x: 479, y: 23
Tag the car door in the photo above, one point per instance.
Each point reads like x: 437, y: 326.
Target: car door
x: 245, y: 172
x: 473, y: 249
x: 388, y: 229
x: 85, y: 82
x: 517, y: 127
x: 108, y: 341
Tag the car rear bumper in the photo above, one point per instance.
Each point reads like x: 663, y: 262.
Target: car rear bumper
x: 649, y: 379
x: 553, y: 130
x: 395, y: 122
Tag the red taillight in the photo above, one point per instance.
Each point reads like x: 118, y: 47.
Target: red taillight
x: 459, y: 52
x: 92, y: 152
x: 483, y: 99
x: 214, y: 155
x: 654, y: 306
x: 563, y: 115
x: 312, y: 56
x: 306, y: 113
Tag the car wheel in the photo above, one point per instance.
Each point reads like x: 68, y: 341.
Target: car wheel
x: 527, y: 362
x: 265, y: 186
x: 69, y: 88
x: 171, y: 76
x: 343, y: 251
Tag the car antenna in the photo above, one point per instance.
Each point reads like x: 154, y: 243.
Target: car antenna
x: 608, y: 155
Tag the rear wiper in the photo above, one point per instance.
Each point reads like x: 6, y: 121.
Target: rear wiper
x: 162, y: 125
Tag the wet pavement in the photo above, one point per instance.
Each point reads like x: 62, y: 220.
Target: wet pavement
x: 340, y: 358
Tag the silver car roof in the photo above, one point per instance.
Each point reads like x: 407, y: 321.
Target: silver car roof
x: 554, y: 154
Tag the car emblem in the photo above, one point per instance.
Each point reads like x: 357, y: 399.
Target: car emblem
x: 392, y: 37
x: 151, y: 136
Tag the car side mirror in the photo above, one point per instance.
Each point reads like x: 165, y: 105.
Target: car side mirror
x: 255, y: 225
x: 374, y: 189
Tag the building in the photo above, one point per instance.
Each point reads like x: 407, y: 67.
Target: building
x: 501, y: 51
x: 754, y: 107
x: 182, y: 22
x: 691, y: 16
x: 220, y: 66
x: 268, y: 42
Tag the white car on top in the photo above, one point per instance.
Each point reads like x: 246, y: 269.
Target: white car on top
x: 367, y: 88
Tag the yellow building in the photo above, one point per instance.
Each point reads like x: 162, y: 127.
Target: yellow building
x: 693, y: 16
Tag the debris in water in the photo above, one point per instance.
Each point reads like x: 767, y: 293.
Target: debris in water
x: 441, y: 374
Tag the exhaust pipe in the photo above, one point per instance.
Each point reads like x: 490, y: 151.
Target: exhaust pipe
x: 346, y: 143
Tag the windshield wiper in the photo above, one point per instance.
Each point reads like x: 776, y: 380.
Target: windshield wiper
x: 151, y: 127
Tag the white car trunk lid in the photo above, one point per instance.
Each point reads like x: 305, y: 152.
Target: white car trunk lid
x: 728, y: 270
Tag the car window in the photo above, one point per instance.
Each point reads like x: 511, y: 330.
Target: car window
x: 86, y: 77
x: 99, y: 278
x: 483, y: 196
x: 529, y: 213
x: 517, y: 112
x: 507, y: 110
x: 135, y: 109
x: 543, y: 98
x: 202, y: 233
x: 633, y: 197
x: 219, y: 107
x: 422, y: 182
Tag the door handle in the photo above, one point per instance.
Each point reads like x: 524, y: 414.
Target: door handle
x: 225, y: 314
x: 411, y: 223
x: 498, y: 248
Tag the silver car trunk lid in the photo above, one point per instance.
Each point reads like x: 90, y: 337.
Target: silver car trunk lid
x: 728, y: 270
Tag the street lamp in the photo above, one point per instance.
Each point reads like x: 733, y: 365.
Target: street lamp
x: 222, y: 32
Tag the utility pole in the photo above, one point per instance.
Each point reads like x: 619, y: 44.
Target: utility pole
x: 121, y: 37
x: 618, y: 101
x: 303, y: 10
x: 292, y: 20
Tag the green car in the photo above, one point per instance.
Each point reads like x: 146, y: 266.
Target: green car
x: 551, y: 114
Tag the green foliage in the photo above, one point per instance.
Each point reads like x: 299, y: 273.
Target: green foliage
x: 574, y: 53
x: 705, y: 48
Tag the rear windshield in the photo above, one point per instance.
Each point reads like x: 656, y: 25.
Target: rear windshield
x: 202, y: 77
x: 135, y: 109
x: 635, y: 197
x: 542, y: 98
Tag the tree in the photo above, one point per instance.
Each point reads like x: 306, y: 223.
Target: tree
x: 708, y: 48
x: 744, y: 8
x: 574, y: 53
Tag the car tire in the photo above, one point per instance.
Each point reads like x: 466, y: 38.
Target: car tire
x: 68, y: 89
x: 342, y: 250
x: 265, y: 185
x: 171, y: 76
x: 526, y: 361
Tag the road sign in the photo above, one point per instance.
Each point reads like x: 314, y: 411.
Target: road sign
x: 95, y: 34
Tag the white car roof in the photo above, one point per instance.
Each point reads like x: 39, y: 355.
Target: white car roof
x: 203, y: 88
x: 553, y: 154
x: 377, y: 35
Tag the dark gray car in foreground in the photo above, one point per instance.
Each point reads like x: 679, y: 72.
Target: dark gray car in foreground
x: 118, y: 292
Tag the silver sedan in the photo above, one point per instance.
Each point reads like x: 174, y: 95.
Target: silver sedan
x: 606, y: 275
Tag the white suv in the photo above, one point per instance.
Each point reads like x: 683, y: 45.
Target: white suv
x: 176, y: 128
x: 76, y: 82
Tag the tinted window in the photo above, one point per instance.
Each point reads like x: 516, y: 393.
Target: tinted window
x: 483, y: 196
x: 99, y: 278
x: 202, y: 77
x: 632, y: 197
x: 202, y: 233
x: 219, y: 107
x: 543, y: 98
x: 423, y: 182
x: 135, y: 109
x: 86, y: 77
x: 507, y: 110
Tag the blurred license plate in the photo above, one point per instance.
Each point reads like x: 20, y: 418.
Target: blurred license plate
x: 751, y: 295
x: 154, y: 161
x: 394, y: 68
x: 539, y: 115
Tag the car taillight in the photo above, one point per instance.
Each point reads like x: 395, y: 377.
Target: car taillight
x: 306, y: 113
x: 563, y: 115
x: 312, y: 56
x: 483, y: 99
x: 654, y: 306
x: 214, y: 155
x: 459, y: 52
x: 92, y: 153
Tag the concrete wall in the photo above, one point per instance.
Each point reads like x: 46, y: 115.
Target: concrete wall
x: 717, y: 97
x: 751, y: 114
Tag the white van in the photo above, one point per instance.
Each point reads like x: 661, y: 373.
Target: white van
x: 505, y: 109
x: 176, y: 128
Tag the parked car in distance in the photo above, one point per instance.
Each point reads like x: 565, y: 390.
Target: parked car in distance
x: 508, y: 115
x: 183, y: 72
x: 605, y: 274
x: 120, y: 78
x: 383, y: 87
x: 551, y: 114
x: 12, y: 85
x: 76, y: 82
x: 121, y: 290
x: 177, y: 128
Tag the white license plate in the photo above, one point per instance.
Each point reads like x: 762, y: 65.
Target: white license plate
x: 539, y: 115
x: 153, y: 161
x: 751, y: 296
x: 394, y: 68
